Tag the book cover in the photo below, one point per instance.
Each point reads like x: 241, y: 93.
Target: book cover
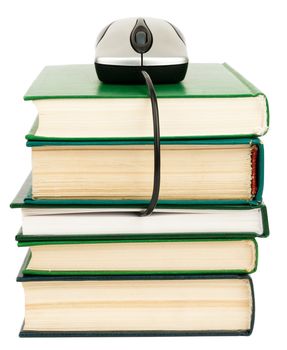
x: 259, y: 170
x: 38, y: 278
x: 203, y: 81
x: 238, y: 245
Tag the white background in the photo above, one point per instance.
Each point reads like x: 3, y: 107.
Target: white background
x: 249, y: 35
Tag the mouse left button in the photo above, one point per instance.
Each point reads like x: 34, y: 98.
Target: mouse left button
x: 102, y: 33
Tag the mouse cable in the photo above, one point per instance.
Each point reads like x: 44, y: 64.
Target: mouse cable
x: 156, y: 149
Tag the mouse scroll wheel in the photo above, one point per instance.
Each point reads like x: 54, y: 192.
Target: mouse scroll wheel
x: 141, y: 38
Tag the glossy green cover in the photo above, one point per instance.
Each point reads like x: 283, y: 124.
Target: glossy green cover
x: 203, y: 80
x: 28, y: 271
x: 80, y: 81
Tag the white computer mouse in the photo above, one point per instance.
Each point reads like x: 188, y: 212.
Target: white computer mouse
x: 127, y: 46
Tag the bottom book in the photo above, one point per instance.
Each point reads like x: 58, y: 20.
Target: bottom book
x: 137, y: 305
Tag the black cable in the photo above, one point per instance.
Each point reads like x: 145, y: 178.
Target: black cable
x: 156, y: 149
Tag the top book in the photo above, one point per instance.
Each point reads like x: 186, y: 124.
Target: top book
x: 213, y: 101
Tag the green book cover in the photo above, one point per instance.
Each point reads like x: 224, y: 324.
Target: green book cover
x: 26, y: 238
x: 203, y: 80
x: 28, y: 270
x: 254, y: 141
x: 80, y: 81
x: 21, y: 278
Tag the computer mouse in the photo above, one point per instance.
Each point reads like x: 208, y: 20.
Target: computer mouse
x: 127, y: 46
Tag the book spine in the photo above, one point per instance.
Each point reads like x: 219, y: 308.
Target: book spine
x: 265, y: 222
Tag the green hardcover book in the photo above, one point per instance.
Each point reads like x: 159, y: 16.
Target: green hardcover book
x: 212, y: 101
x: 134, y: 257
x: 224, y: 171
x: 137, y: 305
x: 71, y: 224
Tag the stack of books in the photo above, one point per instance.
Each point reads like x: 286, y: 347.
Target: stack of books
x: 94, y: 266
